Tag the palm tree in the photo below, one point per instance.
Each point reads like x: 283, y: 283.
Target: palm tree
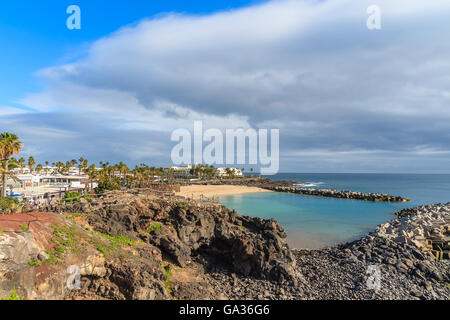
x: 59, y: 167
x: 67, y: 167
x: 123, y: 170
x: 92, y: 171
x: 138, y: 176
x: 81, y: 165
x: 210, y: 171
x: 9, y: 145
x: 31, y: 163
x: 46, y: 167
x: 21, y: 163
x: 9, y: 172
x: 39, y: 168
x: 85, y: 164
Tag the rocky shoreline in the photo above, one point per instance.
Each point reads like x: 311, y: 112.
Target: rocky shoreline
x: 406, y: 272
x: 293, y: 187
x: 139, y: 244
x: 152, y: 246
x: 341, y: 194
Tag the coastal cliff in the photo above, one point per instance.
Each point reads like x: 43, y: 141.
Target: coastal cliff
x: 150, y: 247
x: 139, y: 244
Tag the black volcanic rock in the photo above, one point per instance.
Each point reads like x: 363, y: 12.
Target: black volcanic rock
x: 185, y: 230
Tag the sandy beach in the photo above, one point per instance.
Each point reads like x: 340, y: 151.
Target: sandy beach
x: 213, y: 191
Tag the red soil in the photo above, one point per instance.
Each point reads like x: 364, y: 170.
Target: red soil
x: 37, y: 222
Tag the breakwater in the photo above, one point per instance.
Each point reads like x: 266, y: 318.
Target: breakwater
x: 341, y: 194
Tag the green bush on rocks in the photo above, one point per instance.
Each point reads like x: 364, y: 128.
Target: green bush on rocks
x: 8, y: 205
x: 72, y: 196
x: 14, y: 295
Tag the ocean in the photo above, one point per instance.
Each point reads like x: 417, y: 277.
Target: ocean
x: 316, y: 222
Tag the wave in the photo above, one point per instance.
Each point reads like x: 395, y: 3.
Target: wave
x: 308, y: 184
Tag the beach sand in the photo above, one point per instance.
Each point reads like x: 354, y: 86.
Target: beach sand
x: 214, y: 191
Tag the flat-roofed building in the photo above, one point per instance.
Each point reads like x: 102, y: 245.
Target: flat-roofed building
x: 223, y: 172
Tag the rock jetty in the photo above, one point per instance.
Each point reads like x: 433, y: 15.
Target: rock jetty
x: 341, y: 194
x: 426, y: 227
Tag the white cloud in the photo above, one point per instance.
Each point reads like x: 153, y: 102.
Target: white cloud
x: 309, y: 67
x: 7, y: 111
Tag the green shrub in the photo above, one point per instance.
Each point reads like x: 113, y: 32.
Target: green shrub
x: 13, y: 296
x: 115, y: 244
x: 107, y: 184
x: 72, y: 196
x: 34, y: 263
x: 118, y: 241
x: 102, y: 248
x: 154, y: 226
x: 8, y: 205
x: 166, y: 270
x: 59, y: 249
x: 167, y: 283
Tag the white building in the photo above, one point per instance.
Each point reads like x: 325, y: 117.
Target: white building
x: 72, y: 171
x: 223, y: 172
x: 37, y: 185
x: 181, y: 171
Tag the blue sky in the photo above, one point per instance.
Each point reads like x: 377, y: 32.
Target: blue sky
x: 34, y: 34
x: 345, y: 98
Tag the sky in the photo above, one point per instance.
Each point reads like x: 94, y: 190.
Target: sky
x: 345, y: 98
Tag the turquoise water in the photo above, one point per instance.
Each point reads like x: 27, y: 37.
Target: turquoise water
x: 314, y: 222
